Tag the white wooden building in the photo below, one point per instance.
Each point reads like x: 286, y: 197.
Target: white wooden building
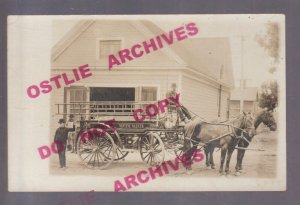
x: 249, y: 95
x: 201, y: 68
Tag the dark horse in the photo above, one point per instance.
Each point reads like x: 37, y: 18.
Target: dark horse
x: 267, y: 119
x: 225, y: 136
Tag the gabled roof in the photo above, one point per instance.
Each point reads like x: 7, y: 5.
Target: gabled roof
x: 70, y: 37
x: 208, y: 56
x: 250, y: 94
x: 205, y: 55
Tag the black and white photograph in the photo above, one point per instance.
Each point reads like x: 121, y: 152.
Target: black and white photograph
x: 147, y: 103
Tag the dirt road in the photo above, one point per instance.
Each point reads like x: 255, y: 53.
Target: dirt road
x: 255, y: 163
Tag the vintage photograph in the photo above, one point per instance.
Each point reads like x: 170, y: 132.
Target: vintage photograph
x: 147, y: 103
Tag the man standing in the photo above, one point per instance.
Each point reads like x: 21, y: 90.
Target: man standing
x: 182, y: 111
x: 61, y: 136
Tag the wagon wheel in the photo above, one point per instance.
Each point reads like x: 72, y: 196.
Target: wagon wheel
x: 95, y: 150
x: 120, y: 154
x: 152, y: 149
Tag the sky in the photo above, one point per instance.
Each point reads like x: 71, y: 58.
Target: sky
x: 248, y: 56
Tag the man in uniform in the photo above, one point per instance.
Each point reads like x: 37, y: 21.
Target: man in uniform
x: 184, y: 114
x: 61, y: 136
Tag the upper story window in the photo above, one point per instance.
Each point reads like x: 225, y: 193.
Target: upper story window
x: 108, y: 47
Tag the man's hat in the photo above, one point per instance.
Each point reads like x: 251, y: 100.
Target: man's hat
x: 71, y: 116
x: 61, y: 121
x: 173, y: 85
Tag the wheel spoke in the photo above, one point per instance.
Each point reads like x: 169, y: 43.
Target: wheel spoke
x: 148, y: 158
x: 88, y: 155
x: 148, y: 143
x: 106, y: 140
x: 106, y: 150
x: 91, y: 157
x: 109, y: 152
x: 156, y: 146
x: 146, y: 155
x: 94, y: 160
x: 117, y: 153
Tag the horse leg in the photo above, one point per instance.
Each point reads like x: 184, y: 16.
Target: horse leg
x: 223, y: 155
x: 206, y: 150
x: 212, y: 158
x: 230, y: 151
x: 238, y: 161
x: 241, y: 159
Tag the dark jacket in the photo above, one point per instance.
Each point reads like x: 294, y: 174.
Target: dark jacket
x: 61, y: 133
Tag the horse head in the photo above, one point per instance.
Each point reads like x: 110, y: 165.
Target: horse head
x: 246, y: 124
x: 267, y: 118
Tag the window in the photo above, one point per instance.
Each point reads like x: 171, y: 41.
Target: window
x: 149, y: 94
x: 108, y: 47
x: 75, y: 97
x: 112, y: 94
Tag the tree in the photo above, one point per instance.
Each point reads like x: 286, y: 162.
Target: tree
x: 270, y: 41
x: 268, y: 97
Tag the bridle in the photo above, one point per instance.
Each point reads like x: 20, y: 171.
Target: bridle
x: 243, y: 131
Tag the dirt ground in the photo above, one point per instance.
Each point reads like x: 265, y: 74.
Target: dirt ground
x: 255, y: 164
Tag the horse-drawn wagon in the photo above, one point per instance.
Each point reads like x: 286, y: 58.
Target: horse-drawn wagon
x: 154, y: 136
x: 151, y: 138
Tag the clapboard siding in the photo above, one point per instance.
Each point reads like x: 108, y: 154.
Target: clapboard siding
x: 200, y: 98
x: 85, y: 48
x: 224, y: 105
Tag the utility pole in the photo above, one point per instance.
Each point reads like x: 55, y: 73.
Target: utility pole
x: 242, y: 83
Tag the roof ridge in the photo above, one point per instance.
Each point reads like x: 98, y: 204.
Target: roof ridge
x: 70, y: 37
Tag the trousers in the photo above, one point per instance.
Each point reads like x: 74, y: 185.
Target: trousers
x: 62, y: 154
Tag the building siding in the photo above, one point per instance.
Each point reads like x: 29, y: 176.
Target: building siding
x: 200, y: 98
x: 85, y: 48
x: 224, y: 105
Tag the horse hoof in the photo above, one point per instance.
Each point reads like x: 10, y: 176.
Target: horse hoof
x: 237, y: 173
x: 213, y: 166
x: 242, y: 171
x: 189, y: 172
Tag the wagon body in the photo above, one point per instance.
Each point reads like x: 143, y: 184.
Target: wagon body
x: 150, y: 138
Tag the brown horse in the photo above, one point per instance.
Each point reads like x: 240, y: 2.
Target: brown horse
x: 264, y: 117
x: 224, y: 136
